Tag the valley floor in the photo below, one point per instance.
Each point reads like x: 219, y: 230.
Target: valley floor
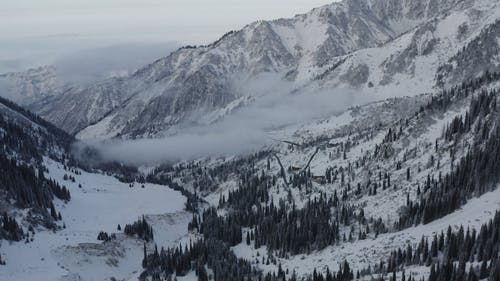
x: 102, y: 202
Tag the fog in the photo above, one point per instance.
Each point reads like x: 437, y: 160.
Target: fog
x: 91, y: 40
x: 34, y: 32
x: 247, y: 130
x: 110, y: 61
x: 81, y: 67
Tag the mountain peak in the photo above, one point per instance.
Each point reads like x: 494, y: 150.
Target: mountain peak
x: 377, y: 47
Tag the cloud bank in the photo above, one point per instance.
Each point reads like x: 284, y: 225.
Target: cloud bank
x: 246, y: 130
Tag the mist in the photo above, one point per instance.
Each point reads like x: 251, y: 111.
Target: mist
x: 78, y: 67
x: 110, y: 61
x: 92, y: 40
x: 86, y: 64
x: 34, y: 32
x: 248, y: 129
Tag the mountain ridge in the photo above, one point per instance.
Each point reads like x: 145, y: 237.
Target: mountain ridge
x: 196, y: 82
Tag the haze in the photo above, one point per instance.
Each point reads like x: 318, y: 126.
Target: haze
x: 34, y: 32
x: 90, y: 40
x: 246, y: 130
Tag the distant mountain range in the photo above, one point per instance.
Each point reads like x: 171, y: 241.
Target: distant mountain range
x: 376, y: 48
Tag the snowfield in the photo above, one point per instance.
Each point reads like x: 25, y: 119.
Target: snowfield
x: 366, y: 252
x: 103, y: 202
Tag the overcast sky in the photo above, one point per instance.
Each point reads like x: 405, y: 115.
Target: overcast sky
x: 38, y: 31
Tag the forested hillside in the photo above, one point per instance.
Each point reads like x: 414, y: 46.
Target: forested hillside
x: 430, y: 161
x: 25, y: 140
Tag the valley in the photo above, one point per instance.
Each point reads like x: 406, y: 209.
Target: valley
x: 357, y: 141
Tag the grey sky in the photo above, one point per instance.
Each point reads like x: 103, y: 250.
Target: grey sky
x: 38, y: 31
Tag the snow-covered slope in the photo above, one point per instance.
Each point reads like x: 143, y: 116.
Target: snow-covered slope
x: 408, y: 164
x: 367, y: 252
x: 425, y: 57
x: 100, y: 204
x: 379, y: 48
x: 406, y: 138
x: 382, y: 158
x: 52, y: 211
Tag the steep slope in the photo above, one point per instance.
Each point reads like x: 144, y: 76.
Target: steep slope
x: 51, y: 211
x: 424, y: 59
x: 404, y: 185
x: 25, y: 140
x: 479, y: 55
x: 42, y: 138
x: 366, y: 190
x: 195, y: 82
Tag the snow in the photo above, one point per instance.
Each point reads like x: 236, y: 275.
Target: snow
x: 99, y: 131
x: 31, y: 85
x: 100, y: 205
x: 302, y: 38
x: 362, y: 253
x: 418, y: 75
x: 103, y: 202
x: 386, y: 203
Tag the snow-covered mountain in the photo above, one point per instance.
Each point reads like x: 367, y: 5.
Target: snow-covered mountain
x: 378, y: 48
x: 379, y: 191
x: 370, y: 192
x: 30, y: 86
x: 52, y: 211
x: 403, y: 187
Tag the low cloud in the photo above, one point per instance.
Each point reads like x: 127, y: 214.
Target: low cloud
x: 246, y: 130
